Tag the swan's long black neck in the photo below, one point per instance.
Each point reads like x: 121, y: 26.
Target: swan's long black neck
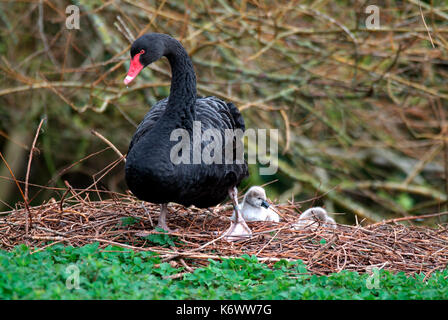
x: 182, y: 98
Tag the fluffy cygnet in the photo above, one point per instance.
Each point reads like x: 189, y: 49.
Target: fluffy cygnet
x: 255, y: 207
x: 313, y: 218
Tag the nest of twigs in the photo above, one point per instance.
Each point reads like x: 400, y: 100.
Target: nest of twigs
x: 389, y: 246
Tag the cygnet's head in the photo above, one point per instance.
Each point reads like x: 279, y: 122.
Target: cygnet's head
x: 256, y: 197
x: 313, y: 218
x: 315, y: 213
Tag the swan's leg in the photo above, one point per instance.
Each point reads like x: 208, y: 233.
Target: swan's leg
x: 162, y: 221
x: 238, y: 229
x: 162, y: 217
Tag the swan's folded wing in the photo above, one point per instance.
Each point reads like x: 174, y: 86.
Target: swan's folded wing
x: 219, y: 114
x: 213, y: 113
x: 148, y: 121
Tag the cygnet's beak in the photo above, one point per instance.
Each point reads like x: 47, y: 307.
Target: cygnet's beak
x: 265, y: 204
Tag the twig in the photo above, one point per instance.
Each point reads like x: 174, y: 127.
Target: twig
x: 95, y: 133
x: 30, y: 158
x: 42, y: 34
x: 30, y: 220
x: 61, y: 202
x: 423, y: 216
x: 424, y: 22
x: 126, y: 32
x: 176, y: 276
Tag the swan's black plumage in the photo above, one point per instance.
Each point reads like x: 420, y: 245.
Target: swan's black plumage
x: 150, y: 173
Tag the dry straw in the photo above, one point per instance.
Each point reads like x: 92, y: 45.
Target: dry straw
x: 79, y: 221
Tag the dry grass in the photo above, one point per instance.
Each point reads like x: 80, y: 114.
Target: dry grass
x: 79, y: 221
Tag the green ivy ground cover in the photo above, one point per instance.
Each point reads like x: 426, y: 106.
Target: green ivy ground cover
x: 116, y: 273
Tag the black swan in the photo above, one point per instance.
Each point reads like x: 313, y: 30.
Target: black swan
x: 255, y: 207
x: 150, y: 172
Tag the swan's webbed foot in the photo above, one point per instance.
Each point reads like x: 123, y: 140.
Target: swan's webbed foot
x: 238, y: 229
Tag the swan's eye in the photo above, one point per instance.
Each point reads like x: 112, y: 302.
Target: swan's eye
x: 142, y: 51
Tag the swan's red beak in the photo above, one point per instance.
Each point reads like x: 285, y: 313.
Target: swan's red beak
x: 134, y: 68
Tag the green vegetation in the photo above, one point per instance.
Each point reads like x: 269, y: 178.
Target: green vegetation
x: 116, y: 273
x: 161, y: 239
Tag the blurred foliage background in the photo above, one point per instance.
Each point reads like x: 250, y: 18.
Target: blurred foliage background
x: 361, y: 112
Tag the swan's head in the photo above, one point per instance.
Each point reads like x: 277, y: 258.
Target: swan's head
x: 144, y: 51
x: 256, y: 197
